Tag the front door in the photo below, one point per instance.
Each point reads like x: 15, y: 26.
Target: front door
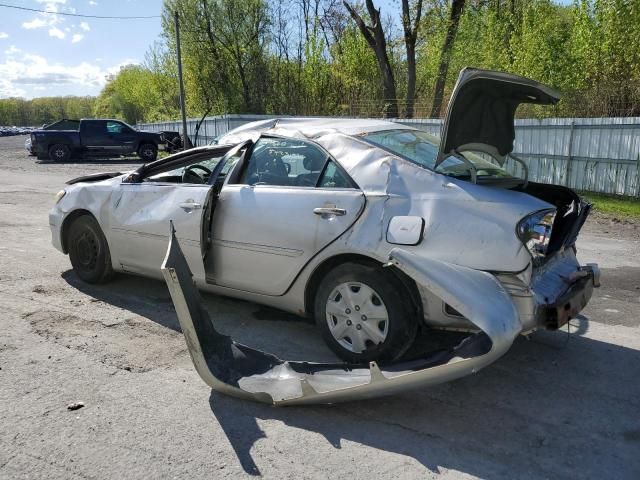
x: 289, y: 202
x: 140, y: 218
x: 120, y: 138
x: 141, y: 212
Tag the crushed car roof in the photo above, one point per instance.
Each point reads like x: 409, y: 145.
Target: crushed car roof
x: 366, y: 163
x: 308, y: 127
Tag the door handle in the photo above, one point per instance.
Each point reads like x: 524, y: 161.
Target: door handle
x: 329, y: 211
x: 190, y: 205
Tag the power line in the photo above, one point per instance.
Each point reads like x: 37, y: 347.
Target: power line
x: 78, y: 14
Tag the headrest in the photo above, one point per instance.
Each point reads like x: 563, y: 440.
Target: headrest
x: 314, y: 161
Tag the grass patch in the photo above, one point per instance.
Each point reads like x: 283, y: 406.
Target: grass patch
x: 627, y: 207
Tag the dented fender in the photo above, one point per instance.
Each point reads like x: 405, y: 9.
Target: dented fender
x: 477, y: 295
x: 244, y: 372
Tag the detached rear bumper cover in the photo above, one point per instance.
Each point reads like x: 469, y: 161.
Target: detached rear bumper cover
x: 238, y: 370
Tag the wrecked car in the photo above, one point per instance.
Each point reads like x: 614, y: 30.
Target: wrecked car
x: 373, y: 229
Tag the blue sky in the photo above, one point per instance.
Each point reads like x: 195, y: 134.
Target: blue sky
x: 45, y: 55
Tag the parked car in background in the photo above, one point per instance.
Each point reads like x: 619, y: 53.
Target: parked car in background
x: 370, y: 227
x: 11, y: 131
x: 94, y: 137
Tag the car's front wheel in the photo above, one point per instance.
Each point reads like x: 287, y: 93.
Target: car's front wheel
x: 88, y: 250
x: 365, y: 314
x: 148, y: 152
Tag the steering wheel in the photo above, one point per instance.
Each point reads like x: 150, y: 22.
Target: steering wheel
x: 189, y: 176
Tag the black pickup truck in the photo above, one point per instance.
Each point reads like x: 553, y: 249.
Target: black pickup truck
x: 95, y: 137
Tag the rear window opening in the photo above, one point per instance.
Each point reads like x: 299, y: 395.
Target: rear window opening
x: 421, y: 148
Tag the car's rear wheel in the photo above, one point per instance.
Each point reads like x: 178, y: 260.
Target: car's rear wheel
x: 365, y: 314
x: 88, y: 250
x: 59, y: 152
x: 148, y: 152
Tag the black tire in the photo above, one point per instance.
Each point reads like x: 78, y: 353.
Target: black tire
x: 88, y: 250
x: 402, y: 321
x: 59, y: 152
x: 148, y: 152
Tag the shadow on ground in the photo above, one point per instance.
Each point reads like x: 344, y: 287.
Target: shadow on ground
x: 549, y: 408
x: 248, y: 323
x: 555, y: 406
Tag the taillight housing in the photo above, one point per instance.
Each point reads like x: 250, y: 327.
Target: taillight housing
x: 534, y: 231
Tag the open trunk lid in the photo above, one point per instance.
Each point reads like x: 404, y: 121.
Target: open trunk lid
x: 481, y: 111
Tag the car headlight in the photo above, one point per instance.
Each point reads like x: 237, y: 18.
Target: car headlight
x: 535, y: 232
x: 60, y: 194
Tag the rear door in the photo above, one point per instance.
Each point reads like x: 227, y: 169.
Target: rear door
x: 93, y: 136
x: 288, y: 201
x: 141, y: 213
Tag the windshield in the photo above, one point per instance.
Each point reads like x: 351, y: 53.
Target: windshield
x: 422, y: 148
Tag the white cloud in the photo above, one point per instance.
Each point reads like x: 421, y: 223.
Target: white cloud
x: 35, y: 23
x: 48, y: 19
x: 55, y: 23
x: 56, y: 32
x: 4, y: 35
x: 7, y: 89
x: 12, y: 50
x: 92, y: 3
x: 51, y: 4
x: 23, y: 72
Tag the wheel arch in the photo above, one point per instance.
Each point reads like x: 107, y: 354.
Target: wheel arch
x: 66, y: 223
x: 145, y: 141
x: 330, y: 263
x: 58, y: 139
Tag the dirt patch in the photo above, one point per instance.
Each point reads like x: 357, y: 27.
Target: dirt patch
x: 614, y: 226
x: 125, y: 345
x: 39, y: 289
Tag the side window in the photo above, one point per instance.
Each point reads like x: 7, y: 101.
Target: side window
x: 191, y: 170
x: 286, y: 162
x: 333, y: 177
x: 114, y: 127
x: 94, y: 128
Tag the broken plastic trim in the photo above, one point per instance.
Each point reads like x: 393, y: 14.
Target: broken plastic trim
x: 241, y: 371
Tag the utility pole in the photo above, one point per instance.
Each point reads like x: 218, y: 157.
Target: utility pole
x: 186, y: 144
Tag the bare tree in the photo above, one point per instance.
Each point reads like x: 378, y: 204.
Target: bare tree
x: 374, y: 35
x: 457, y: 7
x: 410, y: 38
x: 333, y: 22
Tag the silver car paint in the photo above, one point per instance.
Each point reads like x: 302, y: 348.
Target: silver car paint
x: 482, y: 237
x: 244, y: 372
x: 264, y: 235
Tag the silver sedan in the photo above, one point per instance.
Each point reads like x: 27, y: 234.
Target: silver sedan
x: 371, y: 228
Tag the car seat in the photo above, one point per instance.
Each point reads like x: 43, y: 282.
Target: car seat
x: 314, y: 162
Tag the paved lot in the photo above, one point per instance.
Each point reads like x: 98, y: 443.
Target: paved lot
x: 556, y: 406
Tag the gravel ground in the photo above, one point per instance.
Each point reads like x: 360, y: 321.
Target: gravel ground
x: 556, y: 406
